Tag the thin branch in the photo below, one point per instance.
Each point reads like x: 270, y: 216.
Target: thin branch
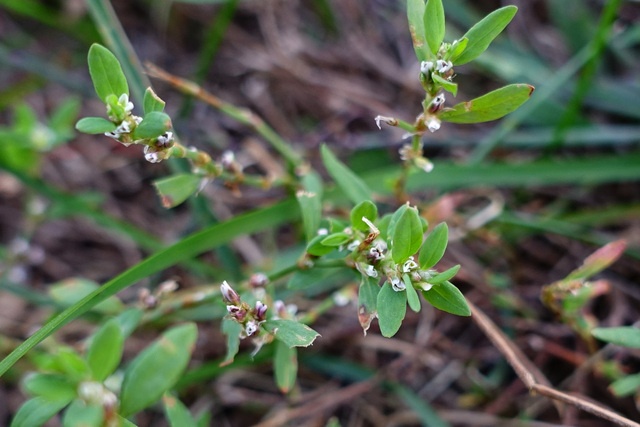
x: 242, y: 115
x: 533, y: 378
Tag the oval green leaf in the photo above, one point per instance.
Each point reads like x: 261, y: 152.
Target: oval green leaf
x: 412, y: 295
x: 626, y: 386
x: 79, y: 414
x: 315, y: 246
x: 445, y: 275
x: 292, y: 333
x: 407, y: 235
x: 350, y: 183
x: 392, y: 307
x: 232, y: 330
x: 336, y: 239
x: 175, y: 189
x: 105, y: 351
x: 152, y: 102
x: 177, y: 414
x: 106, y: 73
x: 367, y: 299
x: 625, y: 336
x: 366, y: 209
x: 285, y: 366
x: 310, y: 201
x: 153, y: 125
x: 434, y: 24
x: 491, y: 106
x: 157, y: 368
x: 482, y: 34
x: 37, y: 411
x: 434, y: 246
x: 415, y: 16
x: 446, y: 297
x: 51, y: 386
x: 446, y: 84
x: 95, y: 125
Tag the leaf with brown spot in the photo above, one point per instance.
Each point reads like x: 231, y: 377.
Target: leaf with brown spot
x: 492, y: 106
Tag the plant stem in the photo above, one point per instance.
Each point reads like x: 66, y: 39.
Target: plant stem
x: 241, y: 115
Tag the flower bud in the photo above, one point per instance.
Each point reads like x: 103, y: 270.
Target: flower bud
x: 260, y: 311
x: 229, y: 296
x: 251, y: 328
x: 258, y: 280
x: 397, y: 284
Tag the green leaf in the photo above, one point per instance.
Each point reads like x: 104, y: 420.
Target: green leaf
x: 37, y: 411
x: 51, y: 386
x: 394, y: 220
x: 491, y: 106
x: 392, y: 307
x: 625, y: 336
x: 70, y: 291
x: 128, y: 320
x: 482, y: 34
x: 292, y: 333
x: 434, y: 24
x: 177, y: 413
x: 285, y: 366
x: 67, y: 361
x: 367, y: 299
x: 62, y: 118
x: 232, y: 330
x: 95, y: 125
x: 152, y: 102
x: 157, y: 368
x: 415, y: 15
x: 446, y: 84
x: 315, y: 246
x: 412, y: 296
x: 366, y: 209
x: 350, y: 183
x: 310, y: 201
x: 626, y: 386
x: 106, y: 73
x: 446, y: 297
x: 383, y: 226
x: 105, y: 351
x: 153, y: 125
x: 407, y: 236
x: 456, y: 49
x: 434, y: 246
x: 175, y: 189
x: 336, y: 239
x: 125, y: 422
x: 79, y: 414
x: 445, y: 275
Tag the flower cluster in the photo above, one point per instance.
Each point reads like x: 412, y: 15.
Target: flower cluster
x: 241, y: 312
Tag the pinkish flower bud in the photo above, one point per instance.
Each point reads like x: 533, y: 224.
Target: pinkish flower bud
x: 258, y: 280
x: 229, y: 295
x: 280, y: 309
x: 260, y: 311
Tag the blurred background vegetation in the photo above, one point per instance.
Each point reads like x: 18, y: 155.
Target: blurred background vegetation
x: 528, y: 197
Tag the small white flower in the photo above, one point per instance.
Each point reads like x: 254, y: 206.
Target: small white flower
x: 433, y: 124
x: 322, y: 232
x: 340, y: 299
x: 353, y: 245
x: 439, y: 100
x: 123, y: 128
x: 165, y: 139
x: 423, y: 164
x: 388, y: 120
x: 251, y: 328
x: 227, y: 158
x: 397, y: 284
x: 371, y: 271
x: 124, y: 101
x: 426, y: 66
x: 409, y: 265
x: 112, y: 135
x: 443, y: 66
x: 405, y: 152
x: 152, y: 156
x: 233, y: 308
x: 426, y: 286
x: 137, y: 119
